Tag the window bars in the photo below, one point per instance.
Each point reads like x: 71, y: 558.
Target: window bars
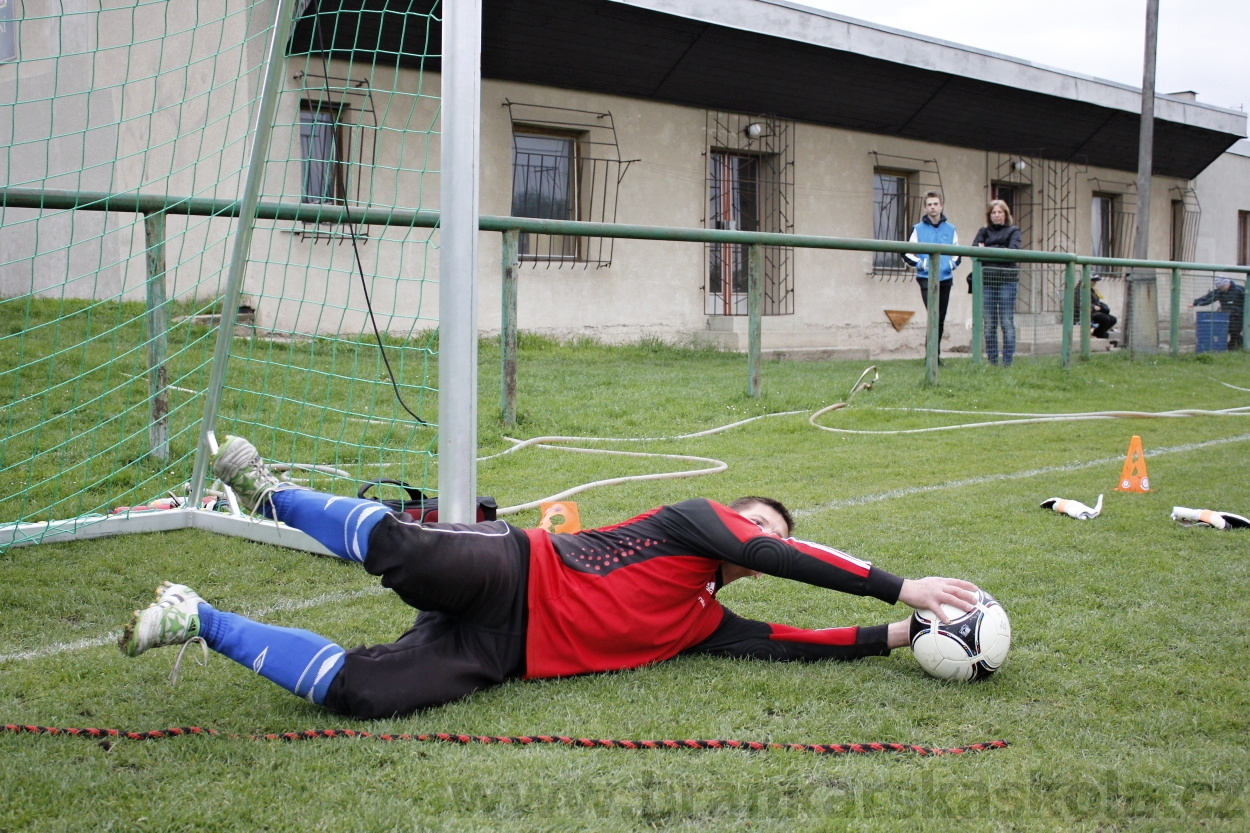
x: 1185, y: 219
x: 1041, y: 193
x: 750, y: 187
x: 899, y: 184
x: 566, y: 165
x: 1113, y: 221
x: 337, y: 147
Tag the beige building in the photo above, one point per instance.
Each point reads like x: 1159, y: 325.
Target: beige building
x: 747, y: 114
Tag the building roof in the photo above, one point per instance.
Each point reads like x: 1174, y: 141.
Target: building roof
x: 779, y: 58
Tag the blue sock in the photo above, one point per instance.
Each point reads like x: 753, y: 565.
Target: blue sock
x: 300, y: 661
x: 341, y: 524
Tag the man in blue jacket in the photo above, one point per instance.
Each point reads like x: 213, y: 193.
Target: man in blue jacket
x: 934, y: 228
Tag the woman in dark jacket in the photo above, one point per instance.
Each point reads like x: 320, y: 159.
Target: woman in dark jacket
x: 999, y: 280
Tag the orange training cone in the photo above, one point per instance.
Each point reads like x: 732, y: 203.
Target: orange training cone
x: 560, y: 517
x: 1133, y: 477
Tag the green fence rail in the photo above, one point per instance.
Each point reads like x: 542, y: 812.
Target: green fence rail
x: 1075, y: 311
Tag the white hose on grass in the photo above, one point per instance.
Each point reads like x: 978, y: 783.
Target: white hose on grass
x: 863, y: 383
x: 1024, y: 419
x: 713, y: 466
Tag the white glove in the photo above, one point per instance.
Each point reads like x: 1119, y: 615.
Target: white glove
x: 1073, y: 508
x: 1219, y: 520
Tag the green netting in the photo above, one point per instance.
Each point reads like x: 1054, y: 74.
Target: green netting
x: 108, y: 320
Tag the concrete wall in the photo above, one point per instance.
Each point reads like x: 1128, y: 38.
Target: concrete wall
x: 108, y: 99
x: 1223, y: 190
x: 305, y: 277
x: 652, y: 288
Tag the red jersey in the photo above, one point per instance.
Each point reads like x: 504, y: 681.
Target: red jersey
x: 644, y: 590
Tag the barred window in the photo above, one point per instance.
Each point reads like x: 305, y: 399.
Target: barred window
x: 545, y: 186
x: 733, y: 203
x: 321, y: 149
x: 890, y: 218
x: 1103, y: 226
x: 750, y: 187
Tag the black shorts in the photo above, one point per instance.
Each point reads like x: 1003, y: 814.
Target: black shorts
x: 469, y: 581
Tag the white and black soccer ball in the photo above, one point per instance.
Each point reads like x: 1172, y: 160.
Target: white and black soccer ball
x: 971, y: 646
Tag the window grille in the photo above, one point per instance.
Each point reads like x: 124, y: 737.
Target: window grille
x: 899, y: 184
x: 566, y: 165
x: 337, y: 144
x: 750, y: 187
x: 1042, y: 195
x: 1186, y: 217
x: 1113, y: 222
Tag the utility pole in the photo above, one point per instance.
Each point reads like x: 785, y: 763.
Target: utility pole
x: 1146, y: 139
x: 1141, y: 323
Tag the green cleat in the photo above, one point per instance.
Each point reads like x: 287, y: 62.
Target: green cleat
x: 239, y: 466
x: 173, y: 619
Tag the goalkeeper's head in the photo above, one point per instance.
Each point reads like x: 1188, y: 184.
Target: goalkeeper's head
x: 767, y: 513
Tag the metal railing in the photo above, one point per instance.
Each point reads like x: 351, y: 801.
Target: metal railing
x: 156, y: 207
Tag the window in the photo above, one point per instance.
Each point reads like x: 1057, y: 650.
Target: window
x: 1007, y: 193
x: 321, y: 148
x: 890, y: 214
x: 1243, y: 238
x: 8, y: 31
x: 1102, y: 226
x: 545, y: 186
x: 566, y: 165
x: 1176, y: 251
x: 1113, y: 221
x: 750, y: 187
x: 1019, y: 198
x: 733, y: 203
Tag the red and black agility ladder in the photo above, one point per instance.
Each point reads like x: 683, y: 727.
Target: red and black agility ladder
x: 519, y: 740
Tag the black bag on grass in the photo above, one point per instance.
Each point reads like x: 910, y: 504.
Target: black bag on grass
x: 417, y: 506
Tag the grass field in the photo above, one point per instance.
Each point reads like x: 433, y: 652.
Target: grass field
x: 1124, y: 698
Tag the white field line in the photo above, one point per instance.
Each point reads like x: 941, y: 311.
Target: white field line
x: 256, y: 613
x: 1019, y: 475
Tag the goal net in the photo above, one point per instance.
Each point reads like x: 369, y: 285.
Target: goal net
x: 127, y: 132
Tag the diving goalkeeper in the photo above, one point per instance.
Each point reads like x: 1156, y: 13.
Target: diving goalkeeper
x: 499, y: 603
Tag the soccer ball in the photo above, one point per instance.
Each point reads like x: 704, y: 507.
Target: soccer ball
x: 971, y: 647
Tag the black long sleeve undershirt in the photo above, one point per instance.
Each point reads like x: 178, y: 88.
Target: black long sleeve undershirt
x: 741, y: 638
